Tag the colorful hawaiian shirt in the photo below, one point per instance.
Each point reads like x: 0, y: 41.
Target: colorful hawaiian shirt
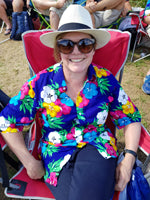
x: 66, y: 125
x: 147, y: 9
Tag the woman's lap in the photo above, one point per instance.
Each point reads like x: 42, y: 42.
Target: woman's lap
x: 87, y: 176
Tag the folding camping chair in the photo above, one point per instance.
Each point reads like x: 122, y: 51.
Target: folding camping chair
x: 137, y: 19
x: 44, y: 20
x: 118, y: 47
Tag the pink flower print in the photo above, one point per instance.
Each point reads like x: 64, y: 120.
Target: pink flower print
x: 70, y: 136
x: 25, y: 120
x: 65, y: 110
x: 62, y: 89
x: 53, y: 179
x: 90, y: 128
x: 84, y: 101
x: 24, y: 90
x: 117, y: 114
x: 110, y: 150
x: 110, y: 99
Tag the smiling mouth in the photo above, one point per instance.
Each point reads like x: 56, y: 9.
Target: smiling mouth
x: 76, y: 60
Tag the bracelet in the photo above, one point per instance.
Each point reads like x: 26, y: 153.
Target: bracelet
x: 130, y: 151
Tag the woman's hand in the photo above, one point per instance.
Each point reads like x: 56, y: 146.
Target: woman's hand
x: 123, y: 172
x: 35, y: 169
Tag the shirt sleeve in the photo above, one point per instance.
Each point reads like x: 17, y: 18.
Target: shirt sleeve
x: 122, y: 109
x: 21, y: 109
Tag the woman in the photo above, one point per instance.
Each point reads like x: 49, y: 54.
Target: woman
x: 74, y: 97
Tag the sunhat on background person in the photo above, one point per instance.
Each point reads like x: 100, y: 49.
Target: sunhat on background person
x: 76, y: 19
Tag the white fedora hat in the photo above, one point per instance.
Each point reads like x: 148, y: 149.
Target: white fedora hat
x: 76, y: 19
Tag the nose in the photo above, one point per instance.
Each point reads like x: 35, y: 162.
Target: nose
x: 75, y: 49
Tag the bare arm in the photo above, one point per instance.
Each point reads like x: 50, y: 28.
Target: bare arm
x: 123, y: 172
x: 105, y: 5
x: 16, y: 143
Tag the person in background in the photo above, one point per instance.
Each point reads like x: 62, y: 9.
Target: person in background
x: 146, y: 84
x: 105, y: 12
x: 146, y: 17
x: 78, y: 151
x: 4, y: 6
x: 126, y: 9
x: 53, y: 9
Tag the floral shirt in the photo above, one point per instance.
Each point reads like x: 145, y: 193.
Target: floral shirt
x: 147, y: 9
x: 66, y: 125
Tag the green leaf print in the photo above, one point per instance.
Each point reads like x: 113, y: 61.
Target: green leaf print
x: 50, y: 150
x: 80, y: 114
x: 12, y: 120
x: 136, y: 115
x: 103, y: 85
x: 55, y: 122
x: 55, y: 165
x: 27, y: 104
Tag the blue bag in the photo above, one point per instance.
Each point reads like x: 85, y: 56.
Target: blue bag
x: 138, y: 187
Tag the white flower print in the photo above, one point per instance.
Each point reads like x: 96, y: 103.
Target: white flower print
x: 48, y: 94
x: 102, y: 116
x: 56, y: 65
x: 54, y: 137
x: 4, y: 124
x: 78, y: 135
x: 123, y: 97
x: 105, y: 136
x: 66, y: 158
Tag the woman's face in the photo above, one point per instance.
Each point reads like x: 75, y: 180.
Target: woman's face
x: 76, y: 62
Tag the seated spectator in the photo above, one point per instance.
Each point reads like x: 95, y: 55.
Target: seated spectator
x: 126, y: 9
x: 146, y: 18
x: 146, y: 85
x: 53, y: 9
x: 105, y: 12
x: 4, y: 5
x: 18, y: 5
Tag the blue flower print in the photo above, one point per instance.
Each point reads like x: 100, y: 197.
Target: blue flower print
x: 66, y: 100
x: 90, y: 136
x: 63, y: 83
x: 124, y: 121
x: 90, y: 90
x: 46, y: 124
x: 14, y: 100
x: 43, y: 147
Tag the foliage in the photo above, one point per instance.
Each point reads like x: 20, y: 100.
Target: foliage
x: 138, y: 3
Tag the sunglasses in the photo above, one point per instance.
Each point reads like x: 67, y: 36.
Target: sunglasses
x: 84, y: 45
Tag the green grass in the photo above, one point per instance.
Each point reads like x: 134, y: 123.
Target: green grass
x: 140, y: 3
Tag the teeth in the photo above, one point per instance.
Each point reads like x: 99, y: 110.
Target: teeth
x: 76, y: 60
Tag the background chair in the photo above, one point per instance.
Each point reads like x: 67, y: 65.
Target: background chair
x: 137, y: 19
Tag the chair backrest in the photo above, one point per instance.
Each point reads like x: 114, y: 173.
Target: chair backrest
x: 112, y: 56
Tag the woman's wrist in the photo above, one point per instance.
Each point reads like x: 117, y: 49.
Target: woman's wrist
x: 129, y: 151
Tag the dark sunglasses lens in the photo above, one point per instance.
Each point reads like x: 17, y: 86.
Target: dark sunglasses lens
x: 86, y: 45
x: 65, y: 46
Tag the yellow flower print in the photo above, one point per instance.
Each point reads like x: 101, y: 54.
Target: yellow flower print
x: 81, y: 144
x: 50, y: 70
x: 128, y: 108
x: 10, y: 130
x: 31, y: 91
x: 112, y: 142
x: 51, y: 108
x: 79, y: 100
x: 100, y: 72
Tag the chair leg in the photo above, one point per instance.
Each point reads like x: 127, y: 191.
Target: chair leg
x: 135, y: 44
x: 3, y: 23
